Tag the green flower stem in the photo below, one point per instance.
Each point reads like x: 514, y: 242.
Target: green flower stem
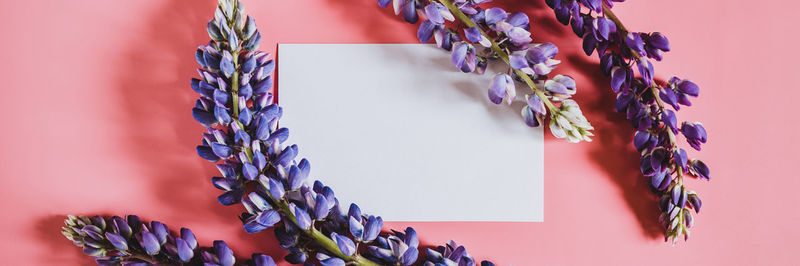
x: 321, y: 239
x: 503, y: 55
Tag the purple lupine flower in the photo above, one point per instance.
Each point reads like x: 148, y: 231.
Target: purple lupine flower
x: 561, y: 86
x: 463, y: 57
x: 494, y: 33
x: 109, y: 241
x: 451, y: 254
x: 695, y: 134
x: 265, y: 173
x: 644, y: 102
x: 502, y: 85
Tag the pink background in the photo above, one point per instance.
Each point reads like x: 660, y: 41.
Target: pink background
x: 96, y: 107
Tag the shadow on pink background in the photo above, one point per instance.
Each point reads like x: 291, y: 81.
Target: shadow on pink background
x: 97, y: 110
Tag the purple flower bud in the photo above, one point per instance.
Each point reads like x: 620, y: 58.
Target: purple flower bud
x: 384, y: 3
x: 207, y: 153
x: 463, y: 57
x: 409, y: 257
x: 701, y: 169
x: 646, y: 167
x: 121, y: 227
x: 249, y: 171
x: 668, y: 116
x: 303, y: 220
x: 259, y: 160
x: 502, y: 84
x: 425, y: 31
x: 149, y: 242
x: 160, y: 230
x: 134, y: 222
x: 641, y: 140
x: 321, y: 208
x: 695, y: 134
x: 577, y: 24
x: 495, y: 14
x: 189, y: 237
x: 382, y: 253
x: 657, y: 179
x: 231, y: 197
x: 618, y: 77
x: 518, y: 36
x: 212, y: 61
x: 372, y: 228
x: 332, y: 261
x: 224, y: 253
x: 563, y: 14
x: 226, y: 64
x: 222, y: 115
x: 473, y: 34
x: 589, y: 43
x: 683, y: 99
x: 669, y: 97
x: 94, y: 252
x: 117, y: 241
x: 354, y: 211
x: 604, y: 27
x: 296, y: 177
x: 297, y: 256
x: 344, y: 243
x: 540, y: 52
x: 680, y: 157
x: 185, y: 252
x: 658, y: 41
x: 263, y: 86
x: 263, y: 260
x: 530, y: 118
x: 433, y: 14
x: 659, y: 158
x: 623, y: 99
x: 688, y: 87
x: 695, y: 202
x: 646, y: 71
x: 518, y: 61
x: 676, y: 194
x: 635, y: 43
x: 276, y: 188
x: 356, y: 228
x: 286, y: 156
x: 410, y: 12
x: 221, y: 150
x: 280, y: 134
x: 519, y: 19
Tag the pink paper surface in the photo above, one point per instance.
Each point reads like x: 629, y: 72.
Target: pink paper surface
x: 96, y: 108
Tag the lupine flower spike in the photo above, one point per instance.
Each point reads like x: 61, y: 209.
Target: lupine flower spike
x: 263, y: 172
x: 490, y: 34
x: 129, y: 241
x: 646, y: 103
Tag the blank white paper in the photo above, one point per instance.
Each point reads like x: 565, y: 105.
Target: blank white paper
x: 398, y: 130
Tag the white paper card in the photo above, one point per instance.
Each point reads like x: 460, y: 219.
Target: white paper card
x: 401, y: 132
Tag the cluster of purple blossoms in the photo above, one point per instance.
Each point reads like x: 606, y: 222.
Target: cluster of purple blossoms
x: 491, y: 34
x: 115, y: 241
x: 260, y: 170
x: 645, y: 102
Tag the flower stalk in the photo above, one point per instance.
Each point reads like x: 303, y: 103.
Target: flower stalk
x: 493, y: 33
x: 645, y: 103
x: 500, y: 52
x: 129, y: 241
